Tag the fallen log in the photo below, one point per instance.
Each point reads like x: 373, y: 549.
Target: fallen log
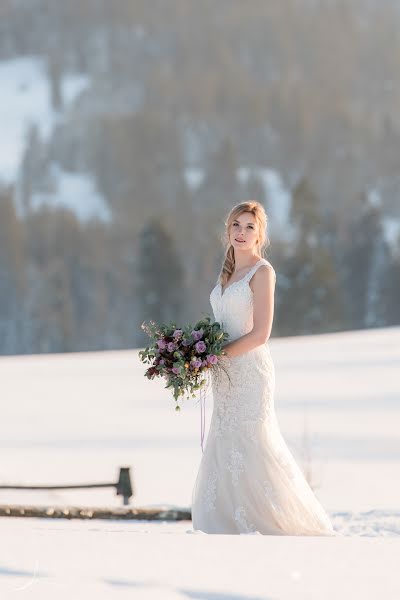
x: 162, y: 513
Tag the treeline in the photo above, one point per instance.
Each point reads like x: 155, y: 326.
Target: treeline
x: 299, y: 87
x: 310, y: 90
x: 64, y: 286
x: 67, y: 286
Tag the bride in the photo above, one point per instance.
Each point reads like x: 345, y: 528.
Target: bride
x: 248, y: 480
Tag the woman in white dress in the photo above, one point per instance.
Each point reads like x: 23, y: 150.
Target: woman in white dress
x: 248, y: 480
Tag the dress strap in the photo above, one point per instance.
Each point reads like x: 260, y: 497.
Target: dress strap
x: 254, y: 268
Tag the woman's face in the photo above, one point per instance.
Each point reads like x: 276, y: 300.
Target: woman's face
x: 243, y: 234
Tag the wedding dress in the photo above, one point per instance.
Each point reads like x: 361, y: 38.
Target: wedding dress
x: 248, y: 480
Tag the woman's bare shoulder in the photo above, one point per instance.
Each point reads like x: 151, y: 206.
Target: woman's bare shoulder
x: 268, y: 266
x: 263, y: 274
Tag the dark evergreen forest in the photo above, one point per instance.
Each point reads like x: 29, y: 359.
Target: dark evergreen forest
x: 308, y: 90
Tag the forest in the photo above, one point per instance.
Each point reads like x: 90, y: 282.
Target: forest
x: 183, y: 98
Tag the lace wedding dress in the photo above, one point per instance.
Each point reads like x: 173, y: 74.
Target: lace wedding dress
x: 248, y: 480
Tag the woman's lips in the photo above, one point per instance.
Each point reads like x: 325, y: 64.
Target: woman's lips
x: 240, y: 241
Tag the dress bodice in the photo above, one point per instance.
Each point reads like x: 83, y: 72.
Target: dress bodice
x: 233, y: 308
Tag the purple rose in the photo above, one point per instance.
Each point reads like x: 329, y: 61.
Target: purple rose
x: 212, y: 359
x: 197, y: 334
x: 161, y: 344
x: 171, y: 346
x: 200, y: 346
x: 177, y: 333
x: 196, y: 363
x: 176, y: 370
x: 162, y: 361
x: 186, y: 342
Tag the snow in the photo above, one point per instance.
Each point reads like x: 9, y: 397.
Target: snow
x: 125, y: 560
x: 25, y: 99
x: 277, y: 196
x: 194, y: 177
x: 374, y: 199
x: 76, y: 192
x: 78, y: 417
x: 391, y: 233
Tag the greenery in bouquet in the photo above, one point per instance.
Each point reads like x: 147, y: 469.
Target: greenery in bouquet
x: 184, y: 356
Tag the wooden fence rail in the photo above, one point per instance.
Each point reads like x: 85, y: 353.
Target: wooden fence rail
x: 123, y: 486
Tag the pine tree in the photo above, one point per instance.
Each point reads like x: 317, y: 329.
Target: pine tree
x: 312, y: 301
x: 254, y: 189
x: 159, y: 293
x: 390, y: 295
x: 366, y: 263
x: 54, y: 73
x: 12, y: 281
x: 31, y: 168
x: 53, y: 248
x: 220, y: 186
x: 305, y: 211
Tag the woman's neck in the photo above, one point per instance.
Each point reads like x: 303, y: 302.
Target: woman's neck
x: 245, y: 262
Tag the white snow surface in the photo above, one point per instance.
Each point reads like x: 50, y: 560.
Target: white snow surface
x: 278, y: 197
x: 76, y: 192
x: 25, y: 100
x: 77, y: 417
x: 194, y: 177
x: 391, y: 232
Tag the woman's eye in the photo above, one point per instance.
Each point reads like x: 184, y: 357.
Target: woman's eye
x: 251, y: 226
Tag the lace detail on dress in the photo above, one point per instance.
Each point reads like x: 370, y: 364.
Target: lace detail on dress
x: 241, y: 518
x: 246, y: 373
x: 210, y: 493
x: 235, y: 465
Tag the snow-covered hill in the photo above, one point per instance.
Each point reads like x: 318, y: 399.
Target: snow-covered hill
x: 25, y: 100
x: 338, y: 390
x: 78, y: 417
x: 76, y: 192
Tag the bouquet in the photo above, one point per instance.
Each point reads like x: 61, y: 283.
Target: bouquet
x: 184, y: 356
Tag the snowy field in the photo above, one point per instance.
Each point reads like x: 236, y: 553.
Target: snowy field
x: 76, y: 418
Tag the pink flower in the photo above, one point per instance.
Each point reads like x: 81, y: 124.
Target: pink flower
x: 176, y: 370
x: 177, y: 333
x: 212, y: 359
x: 161, y: 344
x: 196, y: 362
x: 197, y: 334
x: 171, y: 346
x: 200, y: 346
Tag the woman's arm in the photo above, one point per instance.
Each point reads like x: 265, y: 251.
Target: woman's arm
x: 263, y: 314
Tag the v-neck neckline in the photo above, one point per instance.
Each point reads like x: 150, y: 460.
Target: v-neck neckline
x: 222, y: 292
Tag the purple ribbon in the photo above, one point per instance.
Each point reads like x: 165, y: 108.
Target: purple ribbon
x: 203, y: 418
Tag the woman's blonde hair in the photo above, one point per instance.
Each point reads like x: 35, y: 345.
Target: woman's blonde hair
x: 257, y: 209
